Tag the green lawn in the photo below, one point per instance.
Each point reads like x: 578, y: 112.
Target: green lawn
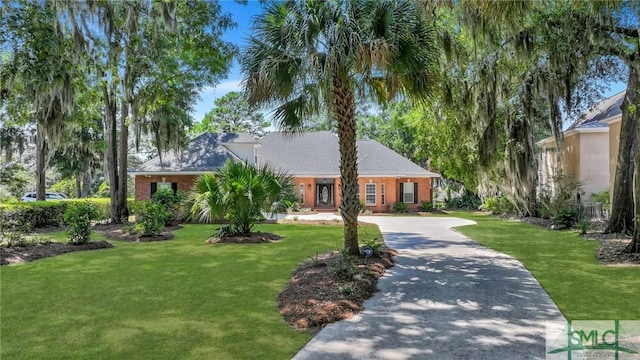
x: 566, y: 267
x: 178, y: 299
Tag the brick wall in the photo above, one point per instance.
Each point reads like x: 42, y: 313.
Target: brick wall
x: 143, y: 183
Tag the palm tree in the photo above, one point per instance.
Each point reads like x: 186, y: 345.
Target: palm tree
x: 240, y: 193
x: 304, y: 56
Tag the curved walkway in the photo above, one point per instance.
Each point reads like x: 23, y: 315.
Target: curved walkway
x: 447, y: 297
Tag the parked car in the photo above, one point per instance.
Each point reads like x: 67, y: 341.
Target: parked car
x: 31, y: 196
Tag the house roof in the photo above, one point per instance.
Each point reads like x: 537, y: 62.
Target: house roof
x: 204, y: 153
x: 317, y: 154
x: 605, y: 109
x: 593, y: 119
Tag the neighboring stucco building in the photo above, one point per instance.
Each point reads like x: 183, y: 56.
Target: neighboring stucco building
x: 385, y: 177
x: 589, y: 149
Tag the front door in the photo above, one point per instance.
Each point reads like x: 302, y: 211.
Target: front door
x: 324, y: 195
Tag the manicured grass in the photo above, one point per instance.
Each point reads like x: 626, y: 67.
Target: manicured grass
x: 566, y: 267
x: 177, y: 299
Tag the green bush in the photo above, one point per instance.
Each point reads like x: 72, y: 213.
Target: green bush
x: 173, y: 203
x: 425, y: 206
x: 78, y: 217
x: 150, y: 218
x: 566, y: 217
x: 374, y: 244
x: 602, y: 197
x: 400, y: 207
x: 498, y: 205
x: 466, y: 201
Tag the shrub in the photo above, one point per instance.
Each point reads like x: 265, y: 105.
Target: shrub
x: 400, y: 207
x: 78, y: 217
x: 173, y: 204
x: 566, y: 217
x: 583, y: 226
x: 150, y: 218
x: 425, y: 206
x: 498, y: 205
x: 466, y: 201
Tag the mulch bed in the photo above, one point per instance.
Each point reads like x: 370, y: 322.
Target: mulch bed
x: 317, y: 296
x: 253, y: 238
x: 19, y: 254
x: 119, y: 232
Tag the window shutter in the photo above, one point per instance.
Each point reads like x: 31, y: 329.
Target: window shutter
x: 154, y: 188
x: 415, y: 192
x: 401, y: 197
x: 174, y: 187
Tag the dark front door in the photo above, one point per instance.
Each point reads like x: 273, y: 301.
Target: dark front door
x: 324, y: 195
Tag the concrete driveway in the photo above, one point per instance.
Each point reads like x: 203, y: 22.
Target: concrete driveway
x: 447, y: 297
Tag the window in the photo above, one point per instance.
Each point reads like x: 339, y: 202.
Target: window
x: 370, y: 194
x: 301, y: 196
x: 382, y: 194
x: 409, y: 192
x: 155, y: 186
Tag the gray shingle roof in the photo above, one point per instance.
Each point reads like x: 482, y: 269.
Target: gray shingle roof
x: 204, y: 153
x: 317, y: 154
x: 603, y: 110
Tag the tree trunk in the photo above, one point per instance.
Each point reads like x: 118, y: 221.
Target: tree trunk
x: 122, y: 162
x: 86, y: 185
x: 41, y: 155
x: 345, y: 113
x: 634, y: 245
x: 78, y: 186
x: 621, y: 219
x: 111, y: 154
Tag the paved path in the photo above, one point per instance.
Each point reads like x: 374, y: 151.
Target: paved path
x: 447, y: 297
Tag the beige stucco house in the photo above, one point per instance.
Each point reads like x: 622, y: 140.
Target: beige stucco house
x: 589, y: 149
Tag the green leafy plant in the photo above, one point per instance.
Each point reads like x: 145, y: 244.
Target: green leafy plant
x: 566, y: 217
x: 173, y: 204
x: 316, y: 262
x: 239, y: 193
x: 346, y: 290
x: 344, y: 268
x: 150, y: 218
x: 78, y: 218
x: 583, y: 225
x: 400, y: 207
x: 425, y: 206
x: 497, y: 205
x: 374, y: 244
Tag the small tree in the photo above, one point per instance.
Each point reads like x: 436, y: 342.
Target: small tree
x: 240, y: 193
x: 78, y: 217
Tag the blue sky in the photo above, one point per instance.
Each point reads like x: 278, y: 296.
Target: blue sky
x: 242, y: 15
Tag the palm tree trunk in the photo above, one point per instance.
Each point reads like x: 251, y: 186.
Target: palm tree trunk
x: 621, y: 219
x: 344, y: 109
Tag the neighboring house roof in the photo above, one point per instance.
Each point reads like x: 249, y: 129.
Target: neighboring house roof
x: 594, y: 119
x: 317, y: 154
x: 603, y: 110
x: 204, y: 153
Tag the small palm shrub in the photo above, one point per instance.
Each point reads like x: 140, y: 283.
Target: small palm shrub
x: 240, y: 193
x: 400, y: 207
x: 425, y: 206
x: 498, y: 205
x: 78, y: 217
x: 150, y: 218
x: 566, y: 217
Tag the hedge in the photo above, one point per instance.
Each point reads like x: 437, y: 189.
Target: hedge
x: 40, y: 214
